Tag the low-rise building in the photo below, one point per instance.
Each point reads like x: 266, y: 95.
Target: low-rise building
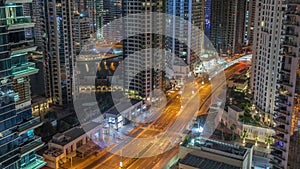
x: 207, y: 153
x: 122, y: 112
x: 78, y: 141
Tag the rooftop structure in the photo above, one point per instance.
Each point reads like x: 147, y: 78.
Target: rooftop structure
x: 213, y: 153
x: 193, y: 162
x: 78, y: 141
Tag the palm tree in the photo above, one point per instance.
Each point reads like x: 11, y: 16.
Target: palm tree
x: 233, y: 128
x: 269, y: 140
x: 256, y: 140
x: 244, y: 135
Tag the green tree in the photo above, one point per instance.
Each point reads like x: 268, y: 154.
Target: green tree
x: 269, y: 140
x: 244, y: 135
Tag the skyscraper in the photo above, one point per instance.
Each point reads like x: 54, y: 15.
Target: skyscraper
x: 17, y: 139
x: 288, y: 84
x: 82, y: 23
x: 190, y: 11
x: 227, y: 26
x: 249, y: 22
x: 142, y: 61
x: 58, y: 51
x: 275, y: 75
x: 112, y: 11
x: 99, y: 18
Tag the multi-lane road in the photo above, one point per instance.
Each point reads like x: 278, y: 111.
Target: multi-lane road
x: 153, y: 145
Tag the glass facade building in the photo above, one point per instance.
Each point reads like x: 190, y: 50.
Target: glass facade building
x: 17, y: 139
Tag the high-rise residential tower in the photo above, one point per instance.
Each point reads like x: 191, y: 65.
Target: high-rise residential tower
x: 227, y: 26
x: 58, y: 51
x: 82, y: 23
x: 99, y: 18
x: 275, y: 70
x: 192, y: 12
x: 112, y: 10
x: 249, y: 22
x: 17, y: 139
x: 142, y: 61
x: 288, y: 85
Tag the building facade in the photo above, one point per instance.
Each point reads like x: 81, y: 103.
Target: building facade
x: 179, y: 53
x: 82, y: 23
x: 112, y: 11
x: 227, y: 26
x: 58, y: 51
x: 17, y: 125
x: 142, y: 63
x: 288, y: 89
x: 275, y: 74
x: 249, y: 22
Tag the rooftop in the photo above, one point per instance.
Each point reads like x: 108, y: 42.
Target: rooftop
x: 72, y: 134
x: 204, y: 163
x: 217, y: 147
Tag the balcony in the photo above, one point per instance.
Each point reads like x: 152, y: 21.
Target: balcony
x: 31, y: 145
x: 281, y: 128
x: 24, y: 70
x: 17, y: 22
x: 281, y: 120
x: 22, y: 46
x: 292, y: 12
x: 281, y: 111
x: 291, y: 2
x: 284, y: 83
x: 290, y: 23
x: 286, y: 71
x: 277, y: 147
x: 281, y: 138
x: 28, y: 125
x: 276, y: 163
x: 278, y: 155
x: 284, y: 53
x: 289, y: 43
x: 290, y: 33
x: 36, y: 163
